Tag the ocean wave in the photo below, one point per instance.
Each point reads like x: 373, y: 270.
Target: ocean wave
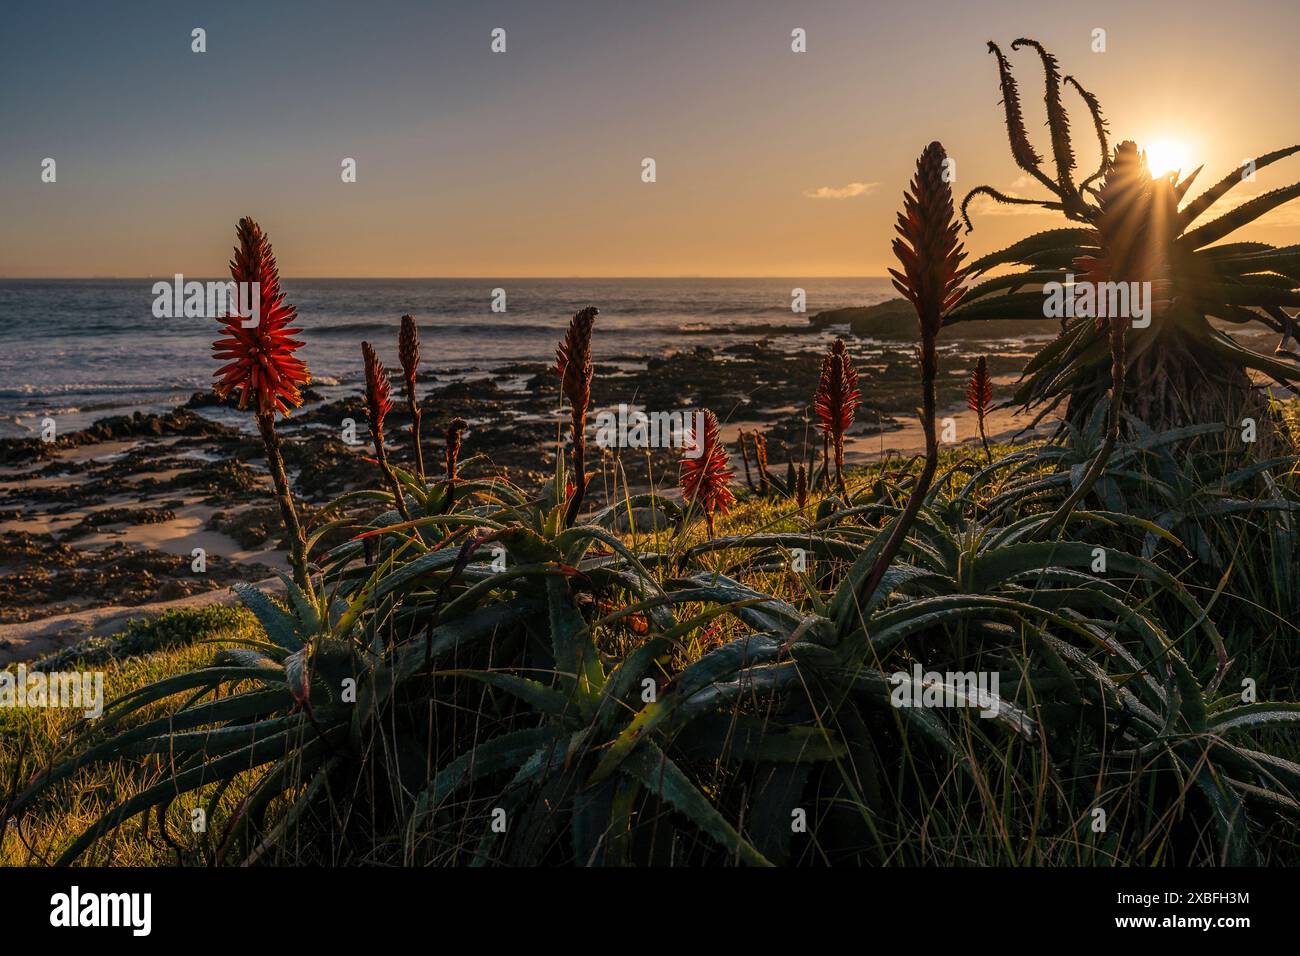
x: 485, y: 328
x: 52, y: 390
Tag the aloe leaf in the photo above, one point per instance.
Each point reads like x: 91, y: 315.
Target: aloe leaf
x: 623, y: 681
x: 1198, y: 206
x: 1037, y: 243
x: 744, y: 738
x: 505, y: 752
x: 1251, y: 716
x: 1244, y: 214
x: 651, y: 768
x: 247, y: 758
x: 534, y: 693
x: 1229, y: 816
x: 572, y: 646
x: 237, y: 707
x: 280, y: 627
x: 714, y: 666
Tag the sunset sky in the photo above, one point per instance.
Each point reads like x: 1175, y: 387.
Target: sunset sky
x: 528, y: 163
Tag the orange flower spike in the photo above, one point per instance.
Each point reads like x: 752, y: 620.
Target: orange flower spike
x: 379, y: 396
x: 379, y: 402
x: 979, y: 390
x: 705, y: 475
x: 836, y: 401
x: 573, y: 365
x: 929, y: 248
x: 979, y: 396
x: 408, y: 350
x: 260, y: 361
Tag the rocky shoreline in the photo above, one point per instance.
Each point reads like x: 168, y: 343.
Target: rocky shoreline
x: 111, y: 515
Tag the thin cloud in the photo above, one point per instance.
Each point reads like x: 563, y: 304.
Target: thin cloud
x: 851, y: 191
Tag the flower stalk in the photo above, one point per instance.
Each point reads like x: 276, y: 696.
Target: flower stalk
x: 408, y: 350
x: 930, y: 253
x: 835, y: 403
x: 573, y: 365
x: 260, y: 365
x: 744, y: 457
x: 979, y: 395
x: 705, y: 475
x: 379, y: 403
x: 284, y: 498
x: 454, y: 429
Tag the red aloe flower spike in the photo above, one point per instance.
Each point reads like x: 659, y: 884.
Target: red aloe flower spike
x: 408, y: 350
x: 760, y: 459
x: 573, y: 365
x: 260, y: 364
x: 836, y: 400
x: 979, y: 395
x: 454, y: 430
x: 704, y: 473
x: 379, y: 403
x: 931, y: 254
x: 929, y: 248
x: 744, y: 457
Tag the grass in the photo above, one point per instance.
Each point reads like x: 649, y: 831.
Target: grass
x: 144, y: 652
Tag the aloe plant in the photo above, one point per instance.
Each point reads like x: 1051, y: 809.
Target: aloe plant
x: 1186, y: 368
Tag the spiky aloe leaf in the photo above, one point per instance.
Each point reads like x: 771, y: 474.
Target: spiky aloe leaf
x: 535, y: 694
x: 1244, y: 214
x: 279, y: 625
x: 1256, y: 715
x: 651, y: 768
x: 744, y: 738
x: 1034, y: 245
x: 1198, y: 206
x: 1229, y: 815
x: 505, y: 752
x: 1022, y: 150
x: 624, y: 680
x: 574, y: 651
x: 251, y: 704
x: 1099, y: 126
x: 714, y: 666
x: 223, y: 768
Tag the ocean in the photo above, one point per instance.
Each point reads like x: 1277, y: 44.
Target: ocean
x: 79, y: 350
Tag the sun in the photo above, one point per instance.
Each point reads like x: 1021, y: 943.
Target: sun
x: 1168, y: 156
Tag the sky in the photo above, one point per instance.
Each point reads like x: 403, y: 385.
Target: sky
x: 529, y: 162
